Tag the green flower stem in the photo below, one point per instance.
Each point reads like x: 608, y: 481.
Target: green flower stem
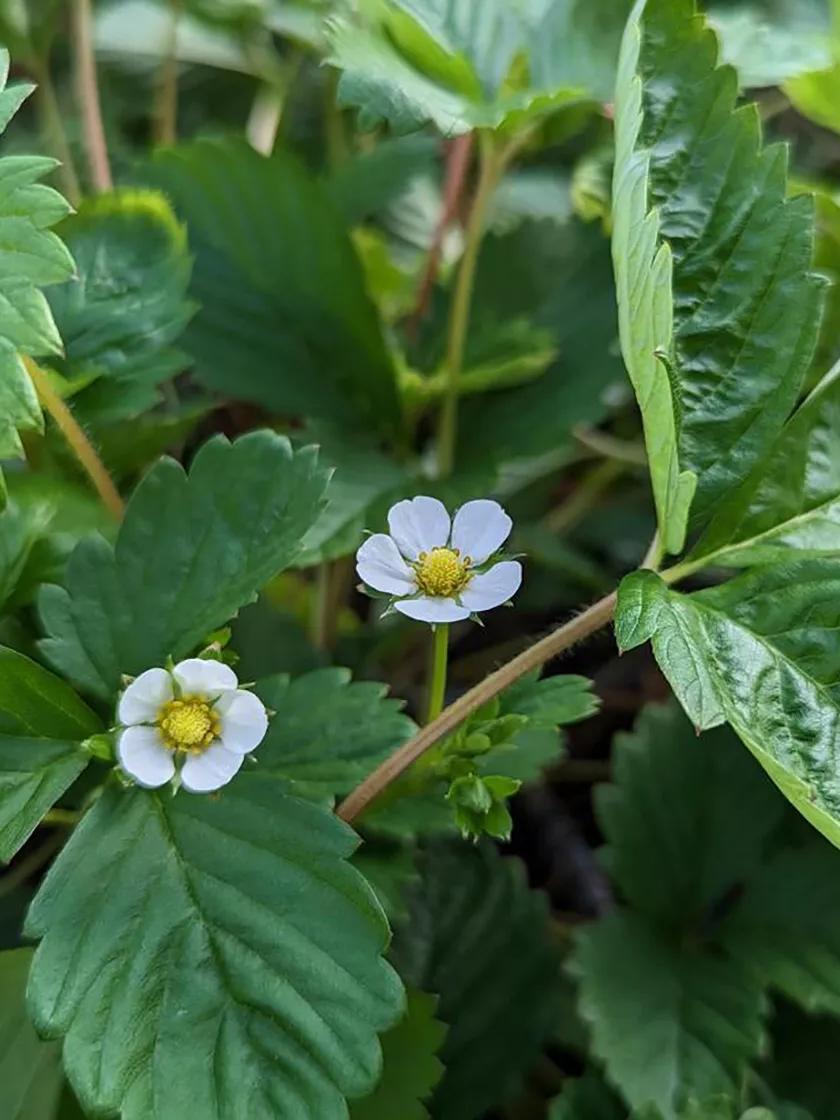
x: 437, y: 681
x: 493, y: 162
x: 555, y: 643
x: 78, y: 442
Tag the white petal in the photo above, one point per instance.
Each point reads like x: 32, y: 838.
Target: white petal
x: 381, y: 567
x: 494, y: 587
x: 244, y: 721
x: 144, y: 757
x: 419, y: 525
x: 214, y: 768
x: 426, y: 609
x: 144, y: 697
x: 480, y: 528
x: 204, y: 678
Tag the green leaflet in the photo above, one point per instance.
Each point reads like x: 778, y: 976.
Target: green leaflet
x: 461, y: 65
x: 212, y: 957
x: 789, y: 506
x: 759, y: 652
x: 330, y: 733
x: 769, y: 41
x: 486, y: 948
x: 31, y: 257
x: 711, y: 265
x: 42, y: 724
x: 190, y: 552
x: 285, y: 318
x: 668, y: 1020
x: 676, y: 803
x: 126, y: 306
x: 411, y: 1068
x: 30, y: 1070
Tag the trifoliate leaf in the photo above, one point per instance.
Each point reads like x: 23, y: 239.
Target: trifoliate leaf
x: 478, y: 936
x: 285, y: 318
x: 411, y: 1068
x: 213, y: 957
x: 126, y: 306
x: 759, y: 652
x: 330, y: 733
x: 192, y: 550
x: 718, y: 311
x: 676, y: 803
x: 42, y: 726
x: 668, y: 1018
x: 31, y: 257
x: 455, y: 66
x: 30, y: 1070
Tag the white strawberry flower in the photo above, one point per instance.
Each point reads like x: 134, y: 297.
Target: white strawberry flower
x: 437, y: 569
x: 195, y: 715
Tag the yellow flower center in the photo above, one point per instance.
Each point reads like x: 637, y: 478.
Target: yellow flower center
x: 442, y: 572
x: 189, y: 724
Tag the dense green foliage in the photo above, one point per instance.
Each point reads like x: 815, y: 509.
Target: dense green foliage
x: 300, y: 262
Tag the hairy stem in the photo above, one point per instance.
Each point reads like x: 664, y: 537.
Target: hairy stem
x: 65, y: 818
x: 87, y: 92
x: 437, y: 679
x: 459, y: 315
x: 76, y: 439
x: 561, y: 639
x: 55, y: 136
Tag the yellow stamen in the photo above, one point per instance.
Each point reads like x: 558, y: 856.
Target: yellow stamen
x: 442, y: 572
x: 189, y: 724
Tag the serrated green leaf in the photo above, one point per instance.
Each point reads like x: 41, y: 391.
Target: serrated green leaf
x: 411, y: 1068
x: 789, y: 506
x: 190, y: 552
x: 669, y: 1019
x: 126, y: 306
x: 42, y: 724
x: 331, y: 733
x: 455, y: 65
x: 676, y: 803
x: 741, y: 653
x: 31, y: 257
x: 213, y: 957
x: 479, y: 937
x: 285, y: 319
x: 785, y: 928
x: 30, y: 1070
x: 718, y: 311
